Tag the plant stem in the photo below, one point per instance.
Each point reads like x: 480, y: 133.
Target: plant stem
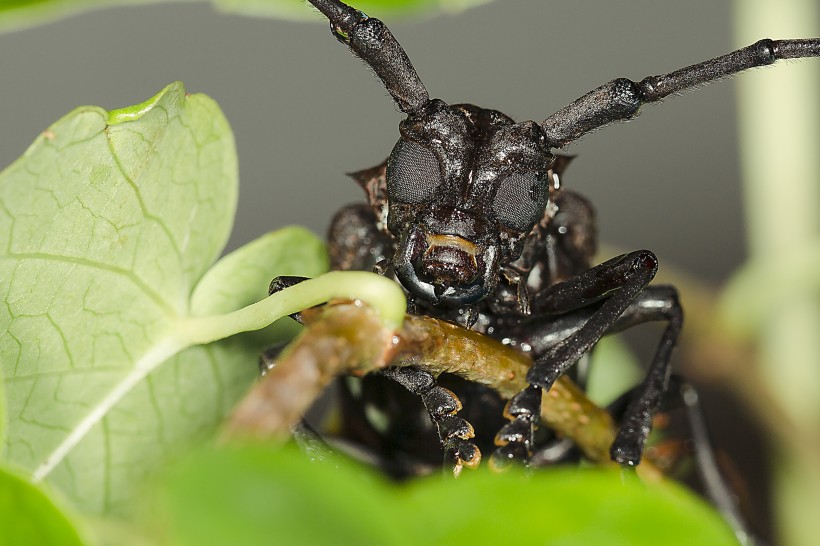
x: 342, y: 339
x: 782, y: 189
x: 382, y: 294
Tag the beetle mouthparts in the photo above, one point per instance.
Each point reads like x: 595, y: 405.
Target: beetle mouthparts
x: 452, y: 241
x: 450, y: 269
x: 450, y: 259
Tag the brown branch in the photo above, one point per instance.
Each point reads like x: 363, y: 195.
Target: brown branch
x: 350, y: 339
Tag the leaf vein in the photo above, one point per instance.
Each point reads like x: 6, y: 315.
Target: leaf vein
x: 138, y: 194
x: 76, y: 260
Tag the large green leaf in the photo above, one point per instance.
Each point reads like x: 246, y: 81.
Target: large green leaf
x: 254, y: 495
x: 15, y: 14
x: 107, y: 223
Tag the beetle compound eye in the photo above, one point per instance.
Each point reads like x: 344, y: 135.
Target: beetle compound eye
x: 413, y: 173
x: 521, y: 200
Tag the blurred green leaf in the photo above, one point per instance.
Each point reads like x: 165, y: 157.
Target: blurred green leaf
x: 613, y: 371
x: 18, y: 14
x: 256, y: 495
x: 259, y: 495
x: 30, y: 517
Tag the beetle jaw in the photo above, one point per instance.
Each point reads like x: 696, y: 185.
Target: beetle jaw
x: 445, y: 269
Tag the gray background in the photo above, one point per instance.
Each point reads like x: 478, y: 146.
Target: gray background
x: 304, y: 111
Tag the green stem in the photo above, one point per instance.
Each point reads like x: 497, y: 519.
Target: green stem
x: 780, y: 135
x: 780, y: 106
x: 380, y: 293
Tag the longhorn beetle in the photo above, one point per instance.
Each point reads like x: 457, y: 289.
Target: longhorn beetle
x: 468, y: 213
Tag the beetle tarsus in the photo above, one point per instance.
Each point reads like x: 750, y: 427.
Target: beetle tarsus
x: 442, y: 405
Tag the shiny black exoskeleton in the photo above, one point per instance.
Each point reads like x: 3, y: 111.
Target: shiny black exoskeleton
x: 469, y: 215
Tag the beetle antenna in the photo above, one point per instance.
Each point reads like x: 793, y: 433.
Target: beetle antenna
x: 370, y: 40
x: 620, y: 99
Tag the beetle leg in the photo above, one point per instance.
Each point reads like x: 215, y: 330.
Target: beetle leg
x: 616, y: 297
x: 268, y: 357
x: 280, y: 283
x: 442, y: 405
x: 637, y: 421
x: 681, y: 394
x: 714, y: 484
x: 557, y: 451
x: 310, y: 442
x: 515, y: 439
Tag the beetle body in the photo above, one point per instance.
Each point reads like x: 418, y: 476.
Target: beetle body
x: 469, y: 216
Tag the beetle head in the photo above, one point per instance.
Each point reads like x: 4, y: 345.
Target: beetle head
x: 465, y: 186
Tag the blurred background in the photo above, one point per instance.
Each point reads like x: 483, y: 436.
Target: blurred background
x: 304, y: 112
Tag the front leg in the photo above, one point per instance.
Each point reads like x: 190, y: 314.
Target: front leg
x: 616, y: 282
x: 442, y: 404
x: 610, y: 290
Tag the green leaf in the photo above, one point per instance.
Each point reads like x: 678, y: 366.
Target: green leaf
x: 16, y: 14
x: 589, y: 506
x: 3, y: 418
x: 106, y: 224
x: 31, y: 517
x: 242, y: 277
x: 256, y: 495
x: 186, y: 397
